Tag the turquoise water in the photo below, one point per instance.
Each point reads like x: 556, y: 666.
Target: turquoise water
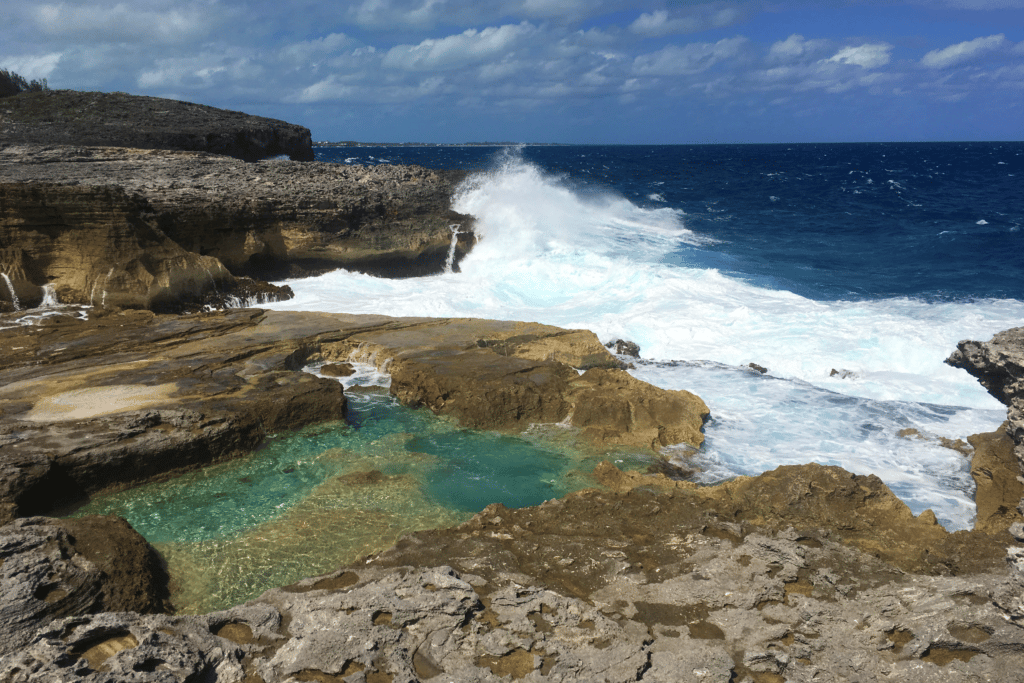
x: 309, y: 502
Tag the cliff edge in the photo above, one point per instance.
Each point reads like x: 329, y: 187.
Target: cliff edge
x: 69, y: 117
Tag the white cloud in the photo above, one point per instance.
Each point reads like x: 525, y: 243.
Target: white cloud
x: 466, y: 47
x: 675, y: 60
x: 200, y: 71
x: 793, y: 48
x: 962, y: 52
x: 869, y: 56
x: 663, y: 23
x: 32, y: 67
x: 126, y: 22
x: 310, y: 50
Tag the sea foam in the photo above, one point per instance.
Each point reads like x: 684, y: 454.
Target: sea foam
x: 554, y: 251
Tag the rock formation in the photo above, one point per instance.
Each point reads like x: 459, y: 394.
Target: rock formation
x: 57, y: 568
x: 999, y: 366
x: 124, y: 397
x: 806, y: 573
x: 67, y: 117
x: 174, y: 230
x: 803, y: 573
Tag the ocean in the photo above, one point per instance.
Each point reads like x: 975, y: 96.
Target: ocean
x: 849, y: 271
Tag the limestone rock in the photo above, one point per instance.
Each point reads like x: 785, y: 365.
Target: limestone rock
x: 999, y: 366
x: 679, y: 584
x: 68, y: 117
x: 121, y: 398
x: 996, y: 474
x: 128, y: 396
x: 267, y: 220
x: 56, y: 568
x: 613, y: 407
x: 94, y: 246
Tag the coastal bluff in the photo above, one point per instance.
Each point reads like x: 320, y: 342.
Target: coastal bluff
x: 98, y: 119
x: 174, y: 231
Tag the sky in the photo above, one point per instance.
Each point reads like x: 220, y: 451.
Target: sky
x: 570, y: 71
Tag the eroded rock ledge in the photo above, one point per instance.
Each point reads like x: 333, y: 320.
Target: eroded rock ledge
x: 128, y: 396
x: 170, y: 230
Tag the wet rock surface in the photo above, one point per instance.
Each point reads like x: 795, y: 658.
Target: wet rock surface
x: 67, y: 117
x: 145, y: 228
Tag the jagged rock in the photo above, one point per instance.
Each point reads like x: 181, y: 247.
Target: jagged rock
x: 677, y: 583
x: 57, y: 568
x: 625, y: 348
x: 999, y: 366
x: 267, y: 220
x: 67, y: 117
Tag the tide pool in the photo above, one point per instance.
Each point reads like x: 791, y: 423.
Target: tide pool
x: 309, y: 502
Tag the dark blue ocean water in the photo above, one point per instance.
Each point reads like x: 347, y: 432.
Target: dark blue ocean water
x: 932, y: 221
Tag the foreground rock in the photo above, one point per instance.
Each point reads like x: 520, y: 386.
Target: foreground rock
x: 68, y: 117
x: 999, y: 366
x: 174, y: 230
x: 126, y: 397
x: 802, y: 574
x: 56, y: 568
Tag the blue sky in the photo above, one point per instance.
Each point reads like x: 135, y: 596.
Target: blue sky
x: 579, y: 71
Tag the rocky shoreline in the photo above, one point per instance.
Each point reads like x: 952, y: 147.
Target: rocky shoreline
x: 173, y: 231
x: 804, y: 573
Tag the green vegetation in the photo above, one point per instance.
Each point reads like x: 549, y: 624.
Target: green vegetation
x: 12, y: 84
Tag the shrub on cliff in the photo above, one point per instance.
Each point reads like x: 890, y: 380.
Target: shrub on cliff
x: 12, y: 84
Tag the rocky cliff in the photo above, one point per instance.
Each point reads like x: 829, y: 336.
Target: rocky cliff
x: 68, y: 117
x: 173, y: 230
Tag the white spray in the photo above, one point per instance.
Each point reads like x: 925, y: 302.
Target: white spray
x: 449, y: 263
x: 10, y: 288
x: 49, y: 296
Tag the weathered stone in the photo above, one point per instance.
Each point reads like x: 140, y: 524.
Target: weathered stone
x: 62, y: 208
x: 613, y: 407
x: 996, y: 474
x: 631, y: 586
x: 125, y: 397
x: 56, y: 568
x: 999, y: 366
x: 94, y: 246
x: 68, y: 117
